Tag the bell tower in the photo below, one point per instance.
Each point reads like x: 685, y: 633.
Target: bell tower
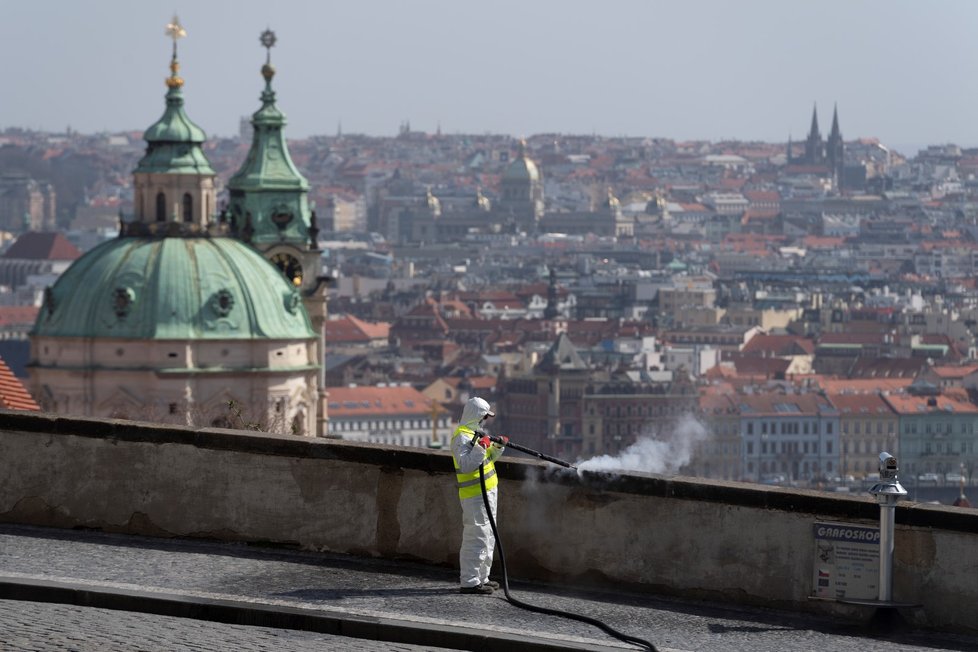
x: 269, y: 208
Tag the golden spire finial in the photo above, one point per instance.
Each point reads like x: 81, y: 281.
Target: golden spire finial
x: 176, y: 32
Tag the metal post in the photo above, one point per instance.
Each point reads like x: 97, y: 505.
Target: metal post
x: 888, y: 493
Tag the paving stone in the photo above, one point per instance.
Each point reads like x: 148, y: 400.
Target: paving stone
x: 414, y: 594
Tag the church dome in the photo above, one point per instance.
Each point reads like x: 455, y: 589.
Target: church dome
x: 174, y: 288
x: 522, y: 168
x: 174, y: 126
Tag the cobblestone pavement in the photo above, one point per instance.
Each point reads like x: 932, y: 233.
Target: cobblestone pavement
x: 425, y: 595
x: 41, y: 627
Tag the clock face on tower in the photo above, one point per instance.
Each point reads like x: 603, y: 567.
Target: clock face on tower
x: 289, y: 266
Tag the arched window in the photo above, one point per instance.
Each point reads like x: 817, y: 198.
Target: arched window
x: 188, y: 207
x: 160, y: 207
x: 298, y: 426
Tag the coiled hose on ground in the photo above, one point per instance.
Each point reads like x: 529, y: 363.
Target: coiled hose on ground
x: 645, y: 645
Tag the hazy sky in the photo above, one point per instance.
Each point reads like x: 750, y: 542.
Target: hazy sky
x: 746, y: 69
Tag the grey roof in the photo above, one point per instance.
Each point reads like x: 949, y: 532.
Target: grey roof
x: 562, y: 356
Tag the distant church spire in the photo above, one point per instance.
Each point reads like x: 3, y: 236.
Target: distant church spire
x: 551, y: 312
x: 835, y: 123
x: 835, y: 150
x: 814, y: 145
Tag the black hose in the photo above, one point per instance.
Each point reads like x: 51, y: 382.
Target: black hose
x: 544, y: 610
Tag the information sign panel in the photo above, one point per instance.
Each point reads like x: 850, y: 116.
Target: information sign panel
x: 847, y: 561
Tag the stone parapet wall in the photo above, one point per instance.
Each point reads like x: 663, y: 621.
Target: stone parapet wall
x: 723, y: 541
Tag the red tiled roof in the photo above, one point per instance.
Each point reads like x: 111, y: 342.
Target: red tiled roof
x: 770, y: 404
x: 11, y: 315
x: 953, y: 371
x: 755, y: 213
x: 349, y: 329
x: 757, y: 196
x: 865, y: 403
x: 779, y: 345
x: 42, y: 246
x: 909, y: 404
x: 757, y: 366
x: 822, y: 242
x: 865, y: 385
x: 13, y: 394
x: 369, y: 401
x: 717, y: 403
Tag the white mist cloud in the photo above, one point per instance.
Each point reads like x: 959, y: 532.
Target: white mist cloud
x: 664, y: 454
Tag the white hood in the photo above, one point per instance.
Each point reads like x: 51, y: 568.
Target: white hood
x: 475, y: 408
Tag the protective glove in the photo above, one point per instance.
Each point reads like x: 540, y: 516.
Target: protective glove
x: 484, y: 441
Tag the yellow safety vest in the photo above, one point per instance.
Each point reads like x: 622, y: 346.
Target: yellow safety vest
x: 469, y: 485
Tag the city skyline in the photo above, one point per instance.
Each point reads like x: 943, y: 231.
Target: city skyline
x: 898, y: 71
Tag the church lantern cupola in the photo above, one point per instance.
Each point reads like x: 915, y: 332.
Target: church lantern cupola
x: 173, y: 181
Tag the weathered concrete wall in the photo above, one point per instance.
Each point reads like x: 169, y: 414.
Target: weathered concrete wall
x: 723, y: 541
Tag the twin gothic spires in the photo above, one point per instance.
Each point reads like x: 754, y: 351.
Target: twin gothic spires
x: 830, y: 152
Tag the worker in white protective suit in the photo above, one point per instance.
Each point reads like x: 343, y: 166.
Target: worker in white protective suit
x: 472, y: 448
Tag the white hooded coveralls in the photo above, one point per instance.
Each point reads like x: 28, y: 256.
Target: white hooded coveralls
x: 478, y: 543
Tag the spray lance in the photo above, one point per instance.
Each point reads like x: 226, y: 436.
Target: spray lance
x: 503, y: 441
x: 529, y: 451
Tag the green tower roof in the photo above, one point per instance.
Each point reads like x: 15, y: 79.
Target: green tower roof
x: 178, y: 288
x: 268, y: 165
x: 268, y: 186
x: 174, y: 140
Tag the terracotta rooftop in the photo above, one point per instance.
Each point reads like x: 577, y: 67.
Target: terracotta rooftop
x: 783, y: 405
x: 953, y: 371
x: 42, y: 246
x: 860, y: 404
x: 909, y: 404
x: 778, y: 345
x: 13, y: 394
x: 762, y: 196
x: 13, y: 315
x: 862, y: 385
x: 348, y: 402
x: 349, y: 329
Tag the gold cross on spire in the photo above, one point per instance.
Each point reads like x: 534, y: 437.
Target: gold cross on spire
x: 176, y: 32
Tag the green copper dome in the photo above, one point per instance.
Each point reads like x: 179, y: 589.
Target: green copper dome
x: 173, y: 289
x: 174, y: 141
x: 521, y: 168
